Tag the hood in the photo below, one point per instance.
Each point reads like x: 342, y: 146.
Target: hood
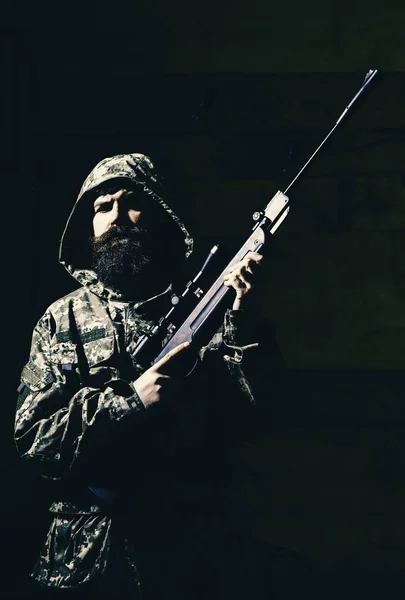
x: 74, y: 249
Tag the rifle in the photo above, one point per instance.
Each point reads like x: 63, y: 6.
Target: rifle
x: 198, y: 326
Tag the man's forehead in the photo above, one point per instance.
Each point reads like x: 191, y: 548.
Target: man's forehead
x: 112, y: 187
x: 99, y: 196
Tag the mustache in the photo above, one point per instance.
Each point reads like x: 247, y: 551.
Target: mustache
x: 133, y: 234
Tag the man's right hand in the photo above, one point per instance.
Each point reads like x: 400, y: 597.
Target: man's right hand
x: 160, y: 381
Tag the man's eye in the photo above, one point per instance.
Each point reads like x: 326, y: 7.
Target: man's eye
x: 102, y: 207
x: 131, y: 201
x: 135, y: 200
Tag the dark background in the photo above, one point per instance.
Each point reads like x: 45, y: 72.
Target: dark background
x: 230, y: 99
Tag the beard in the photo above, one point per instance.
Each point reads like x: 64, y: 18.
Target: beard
x: 125, y: 259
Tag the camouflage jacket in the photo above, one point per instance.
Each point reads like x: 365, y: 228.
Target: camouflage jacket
x: 80, y: 420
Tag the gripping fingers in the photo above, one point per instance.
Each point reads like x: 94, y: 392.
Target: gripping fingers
x: 238, y: 282
x: 171, y: 355
x: 251, y: 261
x: 175, y: 351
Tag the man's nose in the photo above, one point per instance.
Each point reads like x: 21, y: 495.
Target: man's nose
x: 118, y: 213
x: 115, y: 213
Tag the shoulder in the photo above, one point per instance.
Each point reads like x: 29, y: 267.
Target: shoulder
x: 82, y: 297
x: 80, y: 307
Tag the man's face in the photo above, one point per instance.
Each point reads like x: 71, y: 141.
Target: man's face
x: 119, y: 208
x: 132, y: 245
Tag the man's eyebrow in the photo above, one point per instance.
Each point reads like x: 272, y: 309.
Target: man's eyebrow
x: 100, y: 200
x: 111, y: 190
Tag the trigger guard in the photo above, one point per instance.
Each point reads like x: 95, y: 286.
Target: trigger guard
x: 192, y: 369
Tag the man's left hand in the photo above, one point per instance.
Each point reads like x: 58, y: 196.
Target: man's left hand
x: 243, y: 277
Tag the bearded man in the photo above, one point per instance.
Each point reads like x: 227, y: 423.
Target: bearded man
x: 138, y: 457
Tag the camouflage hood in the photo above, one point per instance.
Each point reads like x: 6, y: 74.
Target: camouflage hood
x: 74, y: 250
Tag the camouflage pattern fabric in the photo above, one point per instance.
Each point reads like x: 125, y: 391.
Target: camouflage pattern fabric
x: 76, y: 400
x: 139, y: 170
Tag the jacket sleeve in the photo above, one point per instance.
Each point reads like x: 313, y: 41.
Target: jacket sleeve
x: 247, y: 344
x: 57, y: 419
x: 253, y: 354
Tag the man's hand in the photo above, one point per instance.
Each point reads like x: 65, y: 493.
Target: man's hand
x: 160, y: 380
x: 243, y: 277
